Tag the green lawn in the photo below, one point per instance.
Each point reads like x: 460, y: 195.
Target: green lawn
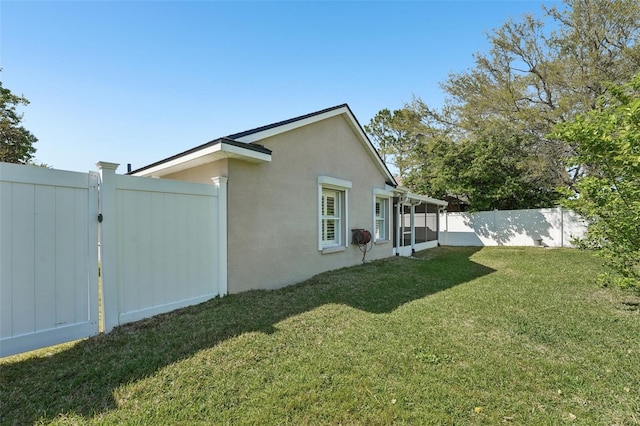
x: 459, y: 336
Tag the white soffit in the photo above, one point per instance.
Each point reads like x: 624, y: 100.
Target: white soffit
x: 206, y: 155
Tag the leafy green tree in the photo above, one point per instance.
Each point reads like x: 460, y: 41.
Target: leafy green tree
x: 538, y: 73
x: 396, y: 134
x: 16, y: 142
x: 489, y: 173
x: 607, y: 140
x: 438, y: 174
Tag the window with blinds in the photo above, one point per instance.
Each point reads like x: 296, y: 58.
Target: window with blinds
x: 330, y: 217
x: 333, y: 214
x: 380, y: 218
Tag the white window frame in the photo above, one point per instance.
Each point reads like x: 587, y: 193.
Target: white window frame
x: 341, y: 187
x: 384, y: 196
x: 380, y: 218
x: 327, y: 219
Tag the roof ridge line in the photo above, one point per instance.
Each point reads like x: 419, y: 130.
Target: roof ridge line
x: 284, y: 122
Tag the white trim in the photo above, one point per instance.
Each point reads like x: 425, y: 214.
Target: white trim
x: 382, y: 192
x: 398, y: 227
x: 334, y: 249
x: 349, y: 117
x: 203, y: 156
x: 404, y: 192
x: 273, y: 131
x: 386, y: 196
x: 220, y: 183
x: 223, y: 150
x: 412, y: 222
x: 335, y: 218
x: 343, y: 186
x: 335, y: 183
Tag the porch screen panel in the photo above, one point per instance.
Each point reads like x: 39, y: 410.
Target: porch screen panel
x: 420, y: 221
x: 406, y: 224
x: 431, y: 220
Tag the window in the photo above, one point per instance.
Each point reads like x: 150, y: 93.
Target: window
x: 381, y: 214
x: 380, y: 218
x: 332, y: 213
x: 330, y: 217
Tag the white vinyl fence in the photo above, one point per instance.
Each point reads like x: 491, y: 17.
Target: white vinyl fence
x: 162, y: 245
x: 536, y: 227
x: 48, y: 257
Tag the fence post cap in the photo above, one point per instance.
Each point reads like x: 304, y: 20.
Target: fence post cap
x: 104, y: 165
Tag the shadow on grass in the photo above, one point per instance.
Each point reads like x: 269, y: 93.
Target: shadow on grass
x: 82, y: 379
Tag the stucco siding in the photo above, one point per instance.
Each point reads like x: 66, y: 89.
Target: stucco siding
x: 202, y: 173
x: 273, y: 207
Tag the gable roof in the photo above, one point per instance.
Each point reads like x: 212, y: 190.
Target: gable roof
x: 282, y: 126
x: 244, y: 145
x: 206, y: 153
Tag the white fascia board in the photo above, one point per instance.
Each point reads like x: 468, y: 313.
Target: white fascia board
x: 426, y: 199
x: 214, y: 152
x: 404, y: 192
x: 161, y: 169
x: 253, y: 137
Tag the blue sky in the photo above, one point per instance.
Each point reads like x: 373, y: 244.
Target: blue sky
x: 138, y: 81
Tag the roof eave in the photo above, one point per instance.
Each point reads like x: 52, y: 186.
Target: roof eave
x: 252, y: 136
x: 213, y: 151
x: 404, y: 192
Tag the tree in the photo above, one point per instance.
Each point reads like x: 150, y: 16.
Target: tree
x: 535, y: 77
x: 607, y: 140
x: 395, y: 135
x: 439, y: 169
x: 489, y: 173
x: 16, y: 142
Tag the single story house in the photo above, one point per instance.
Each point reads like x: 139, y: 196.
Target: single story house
x: 296, y: 190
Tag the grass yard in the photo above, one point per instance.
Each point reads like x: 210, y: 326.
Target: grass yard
x: 459, y: 336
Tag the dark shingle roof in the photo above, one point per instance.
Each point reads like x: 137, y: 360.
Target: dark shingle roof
x: 229, y: 141
x: 285, y: 122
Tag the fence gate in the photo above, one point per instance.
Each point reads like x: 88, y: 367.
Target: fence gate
x: 48, y: 257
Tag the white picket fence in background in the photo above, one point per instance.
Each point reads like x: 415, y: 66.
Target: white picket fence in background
x: 162, y: 246
x: 554, y: 227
